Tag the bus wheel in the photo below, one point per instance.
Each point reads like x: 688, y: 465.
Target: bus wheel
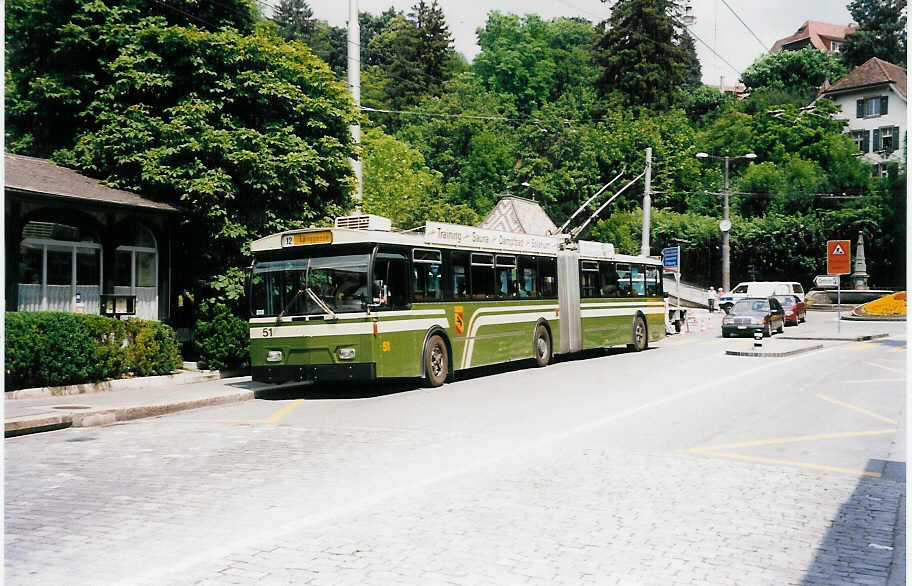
x: 640, y: 337
x: 541, y: 346
x: 436, y: 361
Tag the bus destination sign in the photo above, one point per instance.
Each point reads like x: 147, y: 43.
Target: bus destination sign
x: 468, y: 236
x: 305, y: 238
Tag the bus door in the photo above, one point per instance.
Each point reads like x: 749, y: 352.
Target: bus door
x: 568, y: 296
x: 394, y: 346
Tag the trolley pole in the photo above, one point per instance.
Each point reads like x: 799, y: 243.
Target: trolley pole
x: 647, y: 204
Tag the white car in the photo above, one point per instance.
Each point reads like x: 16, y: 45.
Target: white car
x: 760, y: 289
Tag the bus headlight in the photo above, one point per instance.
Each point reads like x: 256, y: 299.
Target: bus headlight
x: 346, y: 353
x: 274, y: 356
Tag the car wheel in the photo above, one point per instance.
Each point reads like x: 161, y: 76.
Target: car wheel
x: 436, y: 361
x: 541, y: 346
x: 640, y: 335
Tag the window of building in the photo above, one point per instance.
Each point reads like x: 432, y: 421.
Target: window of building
x: 886, y: 138
x: 136, y: 260
x: 870, y: 107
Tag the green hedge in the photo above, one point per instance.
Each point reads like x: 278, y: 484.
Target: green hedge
x: 51, y: 348
x: 223, y: 341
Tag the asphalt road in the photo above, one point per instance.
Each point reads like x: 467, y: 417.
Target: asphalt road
x: 677, y: 465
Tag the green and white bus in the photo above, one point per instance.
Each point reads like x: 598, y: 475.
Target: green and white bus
x: 360, y: 302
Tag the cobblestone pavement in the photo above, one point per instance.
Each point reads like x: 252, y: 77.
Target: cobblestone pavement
x: 467, y: 485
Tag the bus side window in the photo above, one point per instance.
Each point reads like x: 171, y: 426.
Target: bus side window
x: 483, y: 285
x: 426, y: 274
x: 625, y: 289
x: 528, y: 276
x: 589, y: 278
x: 652, y: 276
x: 505, y: 276
x: 458, y: 282
x: 547, y: 268
x: 391, y: 280
x: 609, y: 279
x: 638, y: 277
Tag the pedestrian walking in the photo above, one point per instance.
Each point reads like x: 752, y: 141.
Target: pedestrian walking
x: 719, y: 299
x: 711, y: 299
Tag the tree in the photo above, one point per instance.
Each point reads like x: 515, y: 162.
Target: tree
x: 54, y: 52
x: 399, y: 185
x: 294, y: 19
x: 693, y: 73
x: 881, y: 32
x: 248, y: 135
x: 801, y: 71
x: 435, y: 44
x: 370, y: 27
x: 643, y: 55
x: 533, y: 59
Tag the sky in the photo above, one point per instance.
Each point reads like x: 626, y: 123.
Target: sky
x: 715, y: 24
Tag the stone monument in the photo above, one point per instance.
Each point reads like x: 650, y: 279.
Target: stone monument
x: 860, y: 272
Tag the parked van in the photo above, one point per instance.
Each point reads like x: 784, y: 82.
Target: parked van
x: 760, y: 289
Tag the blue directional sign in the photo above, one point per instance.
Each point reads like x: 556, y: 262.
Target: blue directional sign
x: 671, y: 259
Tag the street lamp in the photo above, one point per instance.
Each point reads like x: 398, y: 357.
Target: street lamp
x: 725, y: 225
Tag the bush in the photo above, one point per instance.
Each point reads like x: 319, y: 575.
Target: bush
x: 50, y: 348
x: 223, y: 341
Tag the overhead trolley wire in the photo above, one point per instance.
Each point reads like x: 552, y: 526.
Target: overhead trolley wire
x: 732, y: 10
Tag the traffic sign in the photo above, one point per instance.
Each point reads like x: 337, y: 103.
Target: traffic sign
x: 671, y: 259
x: 839, y: 257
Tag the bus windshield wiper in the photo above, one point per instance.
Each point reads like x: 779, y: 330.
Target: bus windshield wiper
x: 290, y: 303
x: 322, y: 304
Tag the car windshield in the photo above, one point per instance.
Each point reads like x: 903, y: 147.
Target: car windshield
x: 786, y: 300
x: 751, y: 306
x: 280, y: 287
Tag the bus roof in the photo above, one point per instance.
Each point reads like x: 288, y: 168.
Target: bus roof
x: 442, y: 235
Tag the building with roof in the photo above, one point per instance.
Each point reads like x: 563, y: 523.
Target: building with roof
x: 823, y: 36
x: 74, y: 244
x: 872, y: 100
x: 519, y: 215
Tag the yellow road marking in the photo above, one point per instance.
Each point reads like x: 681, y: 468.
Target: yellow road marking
x: 792, y: 439
x: 789, y: 463
x: 899, y: 349
x: 284, y: 411
x: 896, y: 370
x: 856, y: 408
x: 862, y: 346
x: 877, y: 380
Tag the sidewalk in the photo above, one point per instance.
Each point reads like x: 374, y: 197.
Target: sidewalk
x: 145, y: 398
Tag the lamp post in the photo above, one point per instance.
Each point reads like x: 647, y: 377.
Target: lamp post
x: 725, y: 225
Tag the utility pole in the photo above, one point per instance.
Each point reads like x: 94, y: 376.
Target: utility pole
x: 647, y: 204
x: 726, y: 265
x: 354, y: 86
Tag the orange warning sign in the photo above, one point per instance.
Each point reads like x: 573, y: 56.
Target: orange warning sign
x: 839, y: 257
x: 459, y: 319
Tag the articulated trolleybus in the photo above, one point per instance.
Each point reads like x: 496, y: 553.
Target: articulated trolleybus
x: 361, y: 302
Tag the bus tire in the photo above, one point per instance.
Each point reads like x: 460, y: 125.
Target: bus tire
x: 541, y: 346
x: 436, y: 361
x: 640, y: 335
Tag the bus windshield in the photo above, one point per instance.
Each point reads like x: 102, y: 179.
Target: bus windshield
x: 280, y: 287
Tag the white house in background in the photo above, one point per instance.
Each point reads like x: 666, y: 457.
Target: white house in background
x: 872, y: 98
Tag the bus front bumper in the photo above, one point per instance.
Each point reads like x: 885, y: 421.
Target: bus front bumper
x: 315, y: 372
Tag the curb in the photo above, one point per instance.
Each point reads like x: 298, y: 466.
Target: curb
x: 28, y: 425
x: 853, y: 317
x: 774, y: 354
x: 182, y: 378
x: 837, y: 338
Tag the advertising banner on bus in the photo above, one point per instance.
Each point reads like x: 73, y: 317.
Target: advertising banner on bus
x: 440, y: 233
